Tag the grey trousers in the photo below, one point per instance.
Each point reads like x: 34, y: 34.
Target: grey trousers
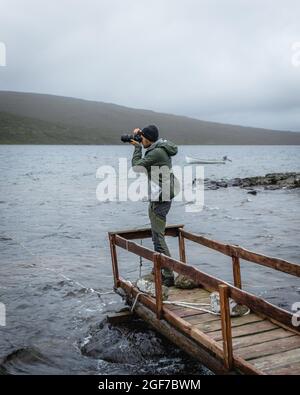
x: 158, y: 214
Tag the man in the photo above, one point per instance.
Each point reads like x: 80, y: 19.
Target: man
x: 157, y: 156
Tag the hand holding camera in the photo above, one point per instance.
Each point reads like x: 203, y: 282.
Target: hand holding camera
x: 134, y: 138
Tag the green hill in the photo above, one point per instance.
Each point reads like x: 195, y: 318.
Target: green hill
x: 29, y: 118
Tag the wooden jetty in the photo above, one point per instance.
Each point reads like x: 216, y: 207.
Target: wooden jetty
x: 265, y: 341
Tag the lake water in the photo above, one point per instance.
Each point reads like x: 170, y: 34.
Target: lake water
x: 55, y: 253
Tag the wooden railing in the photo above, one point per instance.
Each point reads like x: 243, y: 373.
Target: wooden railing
x: 256, y: 304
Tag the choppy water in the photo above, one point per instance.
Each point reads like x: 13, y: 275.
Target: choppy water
x: 54, y: 254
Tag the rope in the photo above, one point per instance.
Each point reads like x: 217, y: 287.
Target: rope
x: 192, y: 306
x: 136, y: 299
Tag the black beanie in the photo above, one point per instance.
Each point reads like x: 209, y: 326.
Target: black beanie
x: 150, y: 132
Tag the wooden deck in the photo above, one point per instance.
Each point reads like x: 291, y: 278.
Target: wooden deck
x: 267, y: 346
x: 262, y: 342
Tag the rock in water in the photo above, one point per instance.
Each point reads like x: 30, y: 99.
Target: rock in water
x: 185, y: 282
x: 252, y: 192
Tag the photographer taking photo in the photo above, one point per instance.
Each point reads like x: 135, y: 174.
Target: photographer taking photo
x: 158, y: 156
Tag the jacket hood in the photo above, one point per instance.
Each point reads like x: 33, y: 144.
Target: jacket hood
x: 170, y: 148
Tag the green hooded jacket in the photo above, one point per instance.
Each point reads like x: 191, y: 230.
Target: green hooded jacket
x: 158, y: 155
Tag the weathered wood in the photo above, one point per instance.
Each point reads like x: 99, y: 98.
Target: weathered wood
x: 142, y: 233
x: 258, y: 338
x: 182, y: 254
x: 204, y: 318
x: 247, y: 329
x: 134, y: 247
x: 289, y: 369
x: 231, y: 250
x: 209, y: 345
x: 201, y: 278
x: 269, y: 348
x: 236, y: 272
x: 190, y: 346
x: 261, y: 306
x: 215, y: 324
x: 119, y: 317
x: 158, y: 285
x: 226, y: 326
x: 185, y: 294
x: 256, y: 304
x: 272, y: 362
x: 185, y: 313
x: 215, y: 245
x: 114, y: 259
x: 274, y: 263
x: 171, y: 317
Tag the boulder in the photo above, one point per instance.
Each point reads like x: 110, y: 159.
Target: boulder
x: 185, y: 282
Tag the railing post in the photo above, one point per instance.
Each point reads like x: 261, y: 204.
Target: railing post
x: 181, y: 243
x: 236, y: 271
x: 114, y: 259
x: 226, y: 326
x: 158, y: 284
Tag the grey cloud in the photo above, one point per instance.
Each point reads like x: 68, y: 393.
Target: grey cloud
x: 228, y: 61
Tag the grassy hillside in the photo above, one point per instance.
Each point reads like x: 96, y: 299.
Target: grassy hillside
x: 28, y: 118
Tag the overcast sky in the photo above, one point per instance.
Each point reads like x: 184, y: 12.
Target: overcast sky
x: 221, y: 60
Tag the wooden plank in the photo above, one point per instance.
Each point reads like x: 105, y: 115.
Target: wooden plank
x: 274, y: 263
x: 272, y: 362
x: 201, y: 302
x: 289, y: 369
x: 243, y: 330
x: 260, y: 306
x: 119, y: 317
x: 208, y: 343
x: 256, y: 304
x: 233, y: 250
x: 226, y: 326
x: 203, y: 318
x: 236, y: 272
x: 134, y: 247
x: 158, y: 285
x: 184, y: 312
x: 258, y: 338
x: 201, y: 278
x: 215, y: 245
x: 269, y: 348
x: 215, y: 324
x: 182, y: 293
x: 114, y: 259
x: 190, y: 346
x: 181, y: 243
x: 202, y: 340
x: 142, y: 233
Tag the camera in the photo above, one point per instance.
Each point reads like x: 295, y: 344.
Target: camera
x: 126, y: 138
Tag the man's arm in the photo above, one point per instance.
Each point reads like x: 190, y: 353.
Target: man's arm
x: 146, y: 162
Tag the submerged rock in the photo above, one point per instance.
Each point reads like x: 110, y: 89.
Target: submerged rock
x: 252, y: 192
